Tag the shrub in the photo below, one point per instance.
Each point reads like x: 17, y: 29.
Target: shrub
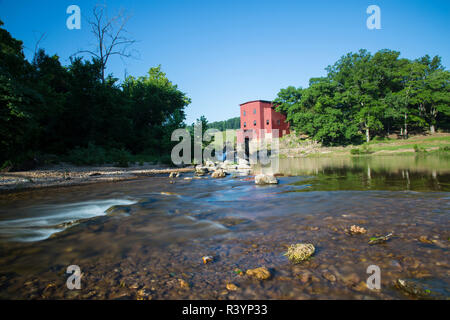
x: 166, y: 159
x: 418, y: 149
x: 6, y: 166
x: 364, y: 150
x: 379, y: 139
x: 120, y: 157
x: 87, y: 156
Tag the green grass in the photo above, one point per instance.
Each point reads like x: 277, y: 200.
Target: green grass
x: 415, y: 145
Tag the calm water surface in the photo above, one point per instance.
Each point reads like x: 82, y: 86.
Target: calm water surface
x: 149, y: 233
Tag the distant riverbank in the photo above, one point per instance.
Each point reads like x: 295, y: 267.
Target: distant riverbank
x: 293, y: 147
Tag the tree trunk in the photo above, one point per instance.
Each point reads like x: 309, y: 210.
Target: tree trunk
x: 433, y: 120
x: 367, y: 135
x: 405, y: 133
x: 432, y: 129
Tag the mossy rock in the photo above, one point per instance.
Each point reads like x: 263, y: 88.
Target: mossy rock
x: 300, y: 252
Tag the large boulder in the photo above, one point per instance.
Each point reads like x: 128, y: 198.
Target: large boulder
x: 243, y: 162
x: 209, y: 163
x: 228, y: 163
x: 265, y: 179
x: 219, y: 173
x: 200, y: 171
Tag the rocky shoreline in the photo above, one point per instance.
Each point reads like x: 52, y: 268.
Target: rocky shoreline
x: 66, y: 175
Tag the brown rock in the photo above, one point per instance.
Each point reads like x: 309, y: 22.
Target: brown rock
x: 361, y: 286
x: 144, y: 294
x: 424, y: 239
x: 260, y: 273
x: 183, y: 284
x: 351, y: 279
x: 305, y: 276
x: 329, y: 276
x: 231, y: 287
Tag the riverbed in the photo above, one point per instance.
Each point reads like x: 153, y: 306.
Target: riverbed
x: 145, y: 238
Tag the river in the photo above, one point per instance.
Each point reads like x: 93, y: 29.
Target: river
x: 149, y: 235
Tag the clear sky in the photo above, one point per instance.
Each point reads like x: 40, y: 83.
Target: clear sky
x: 223, y: 53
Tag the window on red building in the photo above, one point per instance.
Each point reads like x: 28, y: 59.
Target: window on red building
x: 244, y: 113
x: 254, y: 111
x: 254, y: 122
x: 278, y: 122
x: 267, y: 122
x: 245, y: 124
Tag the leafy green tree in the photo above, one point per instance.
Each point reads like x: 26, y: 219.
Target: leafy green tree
x: 17, y: 99
x: 157, y: 108
x: 431, y: 92
x: 369, y: 95
x: 232, y: 123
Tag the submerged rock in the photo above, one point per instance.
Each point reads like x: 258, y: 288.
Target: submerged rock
x: 183, y: 284
x: 300, y: 252
x: 207, y: 259
x: 260, y: 273
x: 424, y: 288
x: 424, y: 239
x: 329, y: 276
x: 118, y: 210
x: 354, y: 229
x: 265, y: 179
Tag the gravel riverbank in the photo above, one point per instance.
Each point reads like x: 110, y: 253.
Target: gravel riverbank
x: 67, y: 175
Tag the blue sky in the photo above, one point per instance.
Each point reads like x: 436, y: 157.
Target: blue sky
x: 223, y: 53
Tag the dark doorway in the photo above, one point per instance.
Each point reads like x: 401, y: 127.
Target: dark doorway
x: 247, y: 148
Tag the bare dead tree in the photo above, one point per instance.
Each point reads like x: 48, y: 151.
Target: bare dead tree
x: 37, y: 46
x: 110, y: 36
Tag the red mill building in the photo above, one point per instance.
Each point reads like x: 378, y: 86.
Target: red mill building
x: 257, y: 115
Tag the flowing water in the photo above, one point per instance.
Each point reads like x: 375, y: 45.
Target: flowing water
x: 150, y: 233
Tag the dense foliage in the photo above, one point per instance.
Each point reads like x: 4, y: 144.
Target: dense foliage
x: 365, y: 95
x: 70, y: 113
x: 232, y: 124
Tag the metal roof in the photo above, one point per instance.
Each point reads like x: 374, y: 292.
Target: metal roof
x: 266, y: 101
